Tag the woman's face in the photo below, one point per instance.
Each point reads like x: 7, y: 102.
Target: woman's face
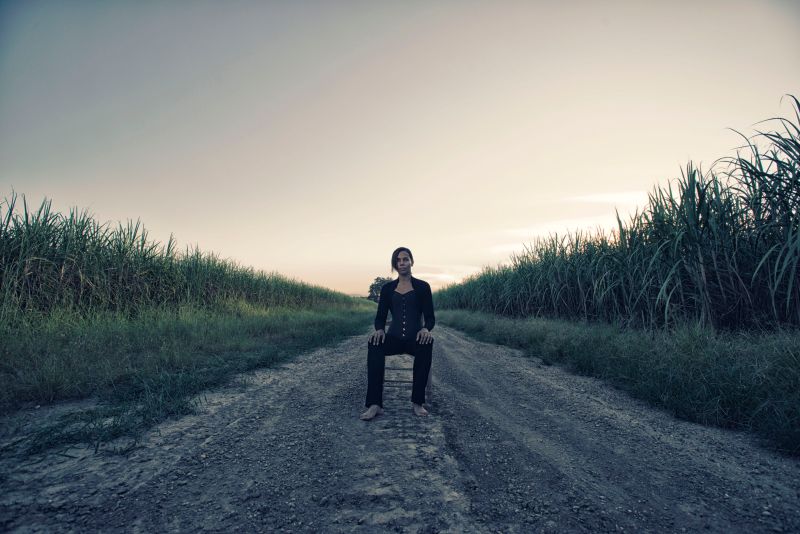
x: 404, y: 262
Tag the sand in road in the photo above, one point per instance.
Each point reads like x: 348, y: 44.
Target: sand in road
x: 510, y: 445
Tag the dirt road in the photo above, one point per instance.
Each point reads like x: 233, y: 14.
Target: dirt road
x: 510, y: 446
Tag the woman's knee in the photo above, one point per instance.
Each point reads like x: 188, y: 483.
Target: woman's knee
x: 375, y: 350
x: 423, y: 349
x: 428, y: 345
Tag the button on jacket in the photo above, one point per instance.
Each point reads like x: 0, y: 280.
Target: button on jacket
x: 405, y: 315
x: 424, y: 304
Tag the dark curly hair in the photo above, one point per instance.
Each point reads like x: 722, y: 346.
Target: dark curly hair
x: 397, y: 252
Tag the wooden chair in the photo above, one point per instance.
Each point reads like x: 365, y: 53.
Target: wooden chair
x: 403, y: 367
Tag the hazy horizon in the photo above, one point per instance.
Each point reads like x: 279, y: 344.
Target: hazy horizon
x: 313, y: 139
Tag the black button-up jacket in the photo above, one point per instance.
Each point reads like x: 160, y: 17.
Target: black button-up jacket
x: 424, y: 301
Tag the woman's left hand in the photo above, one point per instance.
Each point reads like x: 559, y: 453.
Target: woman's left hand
x: 424, y: 337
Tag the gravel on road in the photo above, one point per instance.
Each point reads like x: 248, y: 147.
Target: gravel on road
x: 510, y: 445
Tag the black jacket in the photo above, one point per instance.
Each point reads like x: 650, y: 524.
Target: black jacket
x: 425, y: 300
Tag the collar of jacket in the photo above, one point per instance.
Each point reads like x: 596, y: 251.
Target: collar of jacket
x: 416, y: 283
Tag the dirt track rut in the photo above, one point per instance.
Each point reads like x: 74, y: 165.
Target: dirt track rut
x: 511, y: 445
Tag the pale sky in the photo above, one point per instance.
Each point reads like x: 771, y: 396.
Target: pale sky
x: 313, y: 138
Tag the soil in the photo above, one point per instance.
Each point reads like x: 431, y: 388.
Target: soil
x: 510, y: 445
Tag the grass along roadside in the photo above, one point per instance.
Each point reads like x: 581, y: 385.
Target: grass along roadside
x: 142, y: 370
x: 51, y: 262
x: 91, y: 310
x: 720, y: 248
x: 733, y: 380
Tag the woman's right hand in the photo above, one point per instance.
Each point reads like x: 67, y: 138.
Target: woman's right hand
x: 376, y: 338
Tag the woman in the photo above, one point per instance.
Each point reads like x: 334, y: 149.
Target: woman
x: 407, y: 297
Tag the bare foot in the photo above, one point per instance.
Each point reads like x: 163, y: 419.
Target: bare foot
x: 371, y: 412
x: 419, y: 409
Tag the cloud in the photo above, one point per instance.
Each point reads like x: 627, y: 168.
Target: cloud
x: 618, y: 198
x: 506, y: 248
x: 562, y: 226
x: 625, y: 202
x: 443, y: 274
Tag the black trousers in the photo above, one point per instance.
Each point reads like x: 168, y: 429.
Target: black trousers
x: 376, y: 360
